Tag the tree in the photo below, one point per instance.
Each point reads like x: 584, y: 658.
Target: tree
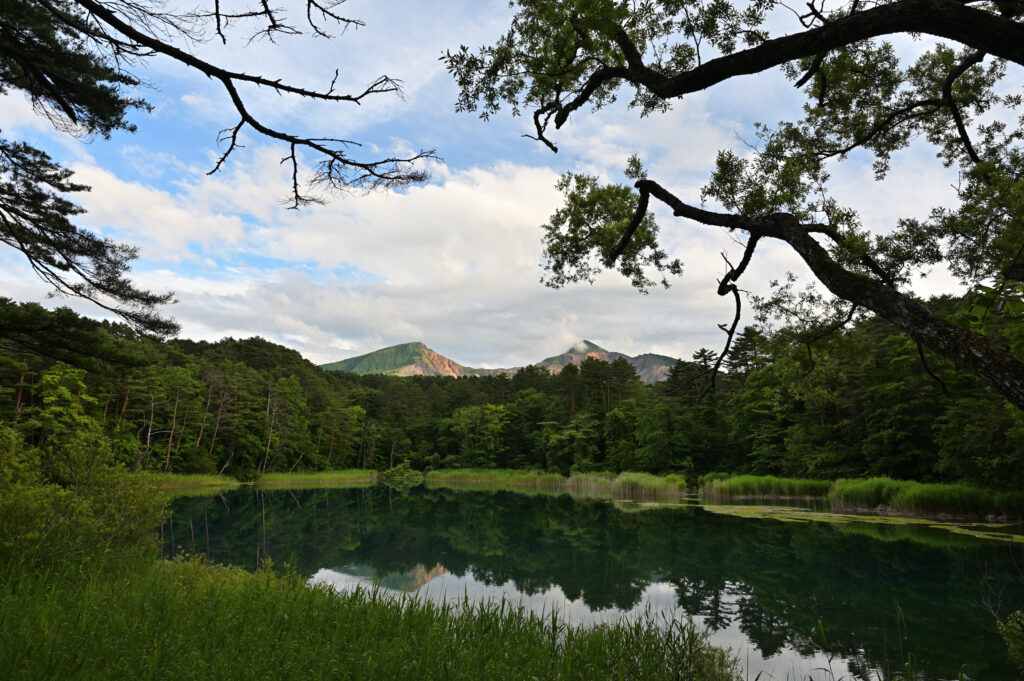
x: 861, y: 95
x: 72, y: 58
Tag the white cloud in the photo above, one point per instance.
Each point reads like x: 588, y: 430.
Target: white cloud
x: 455, y: 262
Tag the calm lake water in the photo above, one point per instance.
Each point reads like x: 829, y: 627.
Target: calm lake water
x: 885, y: 595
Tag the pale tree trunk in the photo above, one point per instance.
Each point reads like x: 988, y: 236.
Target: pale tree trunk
x: 170, y: 438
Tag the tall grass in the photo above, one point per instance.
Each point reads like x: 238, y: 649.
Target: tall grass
x: 175, y: 482
x: 494, y: 478
x: 880, y: 494
x: 185, y: 620
x: 906, y: 496
x: 589, y: 485
x: 642, y: 485
x: 353, y: 477
x: 763, y: 486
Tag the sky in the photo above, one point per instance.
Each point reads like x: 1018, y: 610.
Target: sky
x: 454, y: 262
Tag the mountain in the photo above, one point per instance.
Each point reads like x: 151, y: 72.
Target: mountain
x: 416, y: 359
x: 408, y: 359
x: 650, y: 367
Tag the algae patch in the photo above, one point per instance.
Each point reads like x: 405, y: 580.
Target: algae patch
x: 980, y: 530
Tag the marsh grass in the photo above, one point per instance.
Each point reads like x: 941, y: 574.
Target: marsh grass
x: 763, y: 487
x: 194, y: 482
x: 353, y: 477
x: 586, y: 485
x: 496, y: 477
x: 880, y: 494
x: 645, y: 485
x: 185, y: 620
x: 866, y: 493
x: 906, y: 496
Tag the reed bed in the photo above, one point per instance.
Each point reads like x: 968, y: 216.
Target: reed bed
x: 352, y: 477
x: 177, y: 483
x: 186, y: 620
x: 495, y: 478
x: 764, y: 487
x: 909, y: 497
x: 587, y: 485
x: 645, y: 485
x: 881, y: 494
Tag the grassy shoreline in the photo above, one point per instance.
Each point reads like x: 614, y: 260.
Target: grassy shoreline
x: 351, y: 477
x: 188, y: 482
x: 182, y: 620
x: 878, y: 495
x: 625, y: 485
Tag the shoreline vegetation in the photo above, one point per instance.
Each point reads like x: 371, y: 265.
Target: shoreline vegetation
x: 879, y: 495
x: 589, y: 485
x: 186, y: 619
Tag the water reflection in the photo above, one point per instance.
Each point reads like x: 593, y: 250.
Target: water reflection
x: 658, y: 602
x: 760, y: 586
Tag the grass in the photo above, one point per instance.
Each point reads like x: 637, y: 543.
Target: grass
x: 763, y: 487
x: 185, y: 620
x: 495, y: 478
x: 589, y: 485
x: 906, y: 496
x: 884, y: 495
x: 178, y: 483
x: 353, y: 477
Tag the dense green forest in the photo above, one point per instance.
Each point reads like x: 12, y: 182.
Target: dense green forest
x: 856, y: 402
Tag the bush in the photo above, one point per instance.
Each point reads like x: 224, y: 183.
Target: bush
x: 64, y: 497
x: 1012, y: 630
x: 104, y: 513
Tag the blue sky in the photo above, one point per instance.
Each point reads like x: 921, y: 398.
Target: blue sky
x: 453, y: 262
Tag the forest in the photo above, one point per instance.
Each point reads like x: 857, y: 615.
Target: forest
x: 858, y: 402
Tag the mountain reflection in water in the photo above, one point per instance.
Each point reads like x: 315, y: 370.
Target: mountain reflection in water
x: 881, y: 592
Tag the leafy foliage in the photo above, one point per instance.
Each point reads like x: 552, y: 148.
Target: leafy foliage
x: 861, y: 95
x: 857, y: 403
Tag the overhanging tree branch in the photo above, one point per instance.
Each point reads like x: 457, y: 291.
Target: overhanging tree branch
x: 971, y: 351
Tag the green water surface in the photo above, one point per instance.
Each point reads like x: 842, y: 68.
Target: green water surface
x: 885, y: 594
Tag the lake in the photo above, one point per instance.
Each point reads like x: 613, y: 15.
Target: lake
x: 884, y: 594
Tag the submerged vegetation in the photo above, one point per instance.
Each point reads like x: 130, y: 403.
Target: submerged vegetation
x: 188, y: 620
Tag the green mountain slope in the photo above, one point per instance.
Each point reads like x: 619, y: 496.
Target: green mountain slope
x: 383, y: 361
x: 408, y: 359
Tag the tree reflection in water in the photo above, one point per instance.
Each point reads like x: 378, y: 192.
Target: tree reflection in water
x: 881, y: 592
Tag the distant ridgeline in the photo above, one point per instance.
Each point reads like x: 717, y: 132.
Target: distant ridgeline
x: 856, y: 403
x: 416, y: 359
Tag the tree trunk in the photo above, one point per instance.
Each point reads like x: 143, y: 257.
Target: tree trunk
x: 21, y: 383
x: 206, y: 411
x: 181, y: 431
x: 170, y: 438
x: 124, y: 405
x: 216, y: 425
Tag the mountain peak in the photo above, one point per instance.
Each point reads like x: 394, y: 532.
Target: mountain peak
x: 584, y: 347
x: 416, y: 359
